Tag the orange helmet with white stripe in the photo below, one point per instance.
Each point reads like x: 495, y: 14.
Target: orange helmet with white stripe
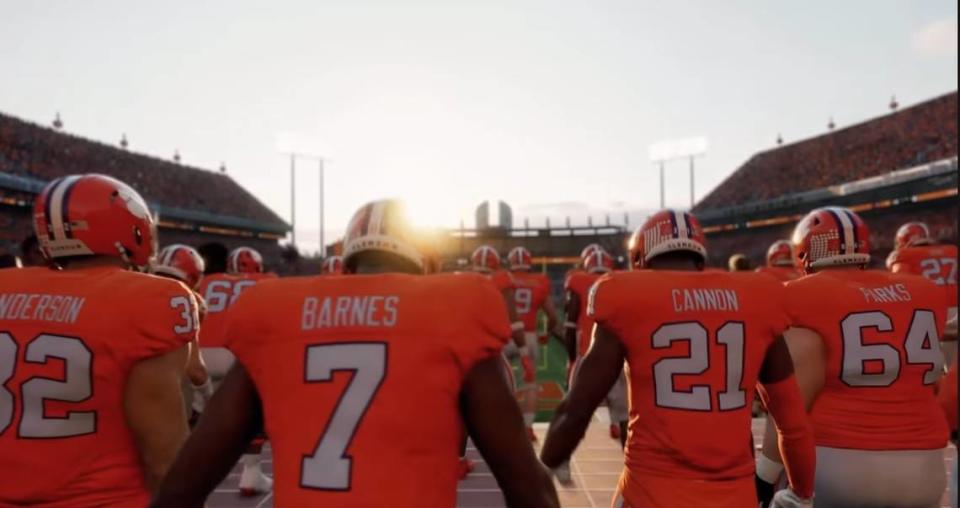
x: 86, y: 215
x: 588, y: 249
x: 381, y: 226
x: 666, y: 231
x: 780, y: 253
x: 485, y: 259
x: 332, y: 265
x: 181, y: 262
x: 597, y: 261
x: 831, y: 236
x: 911, y: 234
x: 520, y: 259
x: 244, y: 260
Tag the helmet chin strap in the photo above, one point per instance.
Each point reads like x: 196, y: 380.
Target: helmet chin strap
x: 125, y: 256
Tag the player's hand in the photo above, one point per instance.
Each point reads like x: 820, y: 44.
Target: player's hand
x: 787, y: 498
x: 529, y: 371
x: 764, y: 491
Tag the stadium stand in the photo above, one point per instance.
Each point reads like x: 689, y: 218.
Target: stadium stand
x: 892, y: 169
x: 923, y: 133
x: 195, y: 206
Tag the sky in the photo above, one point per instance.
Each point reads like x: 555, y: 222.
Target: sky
x: 548, y: 105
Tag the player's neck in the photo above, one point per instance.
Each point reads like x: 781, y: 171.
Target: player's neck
x: 95, y: 262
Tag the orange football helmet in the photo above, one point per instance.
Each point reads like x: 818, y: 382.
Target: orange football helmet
x: 597, y: 261
x: 780, y: 253
x: 831, y: 236
x: 485, y: 259
x: 911, y: 234
x: 520, y: 258
x: 244, y: 260
x: 666, y: 231
x: 332, y: 265
x: 381, y: 226
x: 86, y: 215
x: 181, y: 262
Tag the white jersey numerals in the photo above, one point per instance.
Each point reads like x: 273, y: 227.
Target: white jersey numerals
x: 523, y: 297
x: 329, y: 467
x: 76, y: 386
x: 921, y: 345
x: 698, y: 397
x: 221, y: 294
x: 187, y: 313
x: 940, y: 271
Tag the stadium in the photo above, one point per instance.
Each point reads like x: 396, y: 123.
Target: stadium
x: 279, y: 356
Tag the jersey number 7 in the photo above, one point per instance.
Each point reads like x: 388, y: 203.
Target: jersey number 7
x: 330, y: 467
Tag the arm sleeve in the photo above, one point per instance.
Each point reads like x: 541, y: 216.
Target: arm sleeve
x: 600, y: 300
x: 797, y: 447
x: 166, y: 320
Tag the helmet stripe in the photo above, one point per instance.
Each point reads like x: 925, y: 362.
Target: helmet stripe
x: 853, y: 229
x: 374, y: 221
x: 681, y: 223
x: 65, y: 211
x: 56, y: 204
x: 47, y: 201
x: 844, y: 228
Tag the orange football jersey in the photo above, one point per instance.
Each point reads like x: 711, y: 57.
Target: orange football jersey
x: 881, y: 335
x: 361, y: 374
x: 948, y: 397
x: 219, y: 292
x: 502, y: 279
x: 530, y: 291
x: 579, y: 283
x: 781, y: 273
x: 938, y: 263
x: 68, y: 343
x: 695, y: 343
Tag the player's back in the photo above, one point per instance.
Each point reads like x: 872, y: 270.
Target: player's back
x: 530, y: 291
x: 360, y: 379
x: 881, y: 332
x: 69, y: 340
x: 937, y: 263
x: 579, y: 282
x: 220, y: 291
x: 695, y: 343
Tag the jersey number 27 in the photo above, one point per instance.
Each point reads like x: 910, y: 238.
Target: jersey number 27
x: 329, y: 467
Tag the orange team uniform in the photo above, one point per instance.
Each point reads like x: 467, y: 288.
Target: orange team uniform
x: 579, y: 283
x: 938, y: 263
x: 781, y: 273
x: 68, y: 343
x: 882, y: 358
x: 530, y: 291
x: 361, y: 374
x: 220, y: 291
x: 948, y: 397
x: 695, y: 343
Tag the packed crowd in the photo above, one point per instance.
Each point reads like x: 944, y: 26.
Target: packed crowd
x: 27, y: 149
x: 923, y: 133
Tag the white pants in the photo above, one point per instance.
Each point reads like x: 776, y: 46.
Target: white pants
x: 512, y: 354
x: 617, y: 402
x: 218, y: 361
x: 879, y: 479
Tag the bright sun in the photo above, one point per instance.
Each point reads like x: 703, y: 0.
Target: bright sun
x: 430, y: 213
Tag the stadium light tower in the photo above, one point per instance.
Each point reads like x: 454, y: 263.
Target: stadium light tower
x: 293, y: 196
x: 662, y: 152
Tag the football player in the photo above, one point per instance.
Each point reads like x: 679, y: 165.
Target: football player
x: 531, y: 294
x: 780, y: 262
x: 916, y: 251
x: 865, y: 348
x: 343, y: 370
x: 92, y: 353
x: 184, y: 263
x: 332, y: 265
x: 696, y: 344
x: 579, y: 329
x: 220, y: 291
